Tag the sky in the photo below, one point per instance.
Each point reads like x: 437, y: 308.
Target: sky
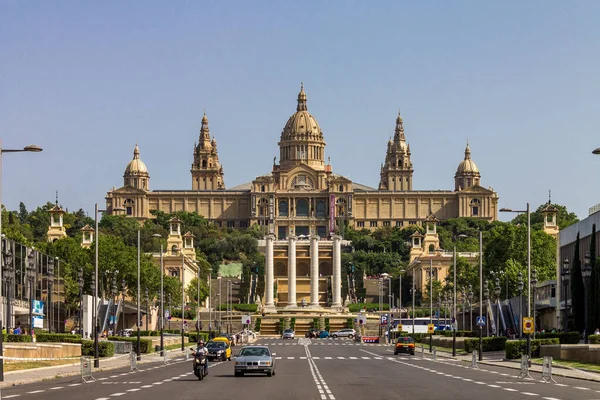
x: 518, y: 80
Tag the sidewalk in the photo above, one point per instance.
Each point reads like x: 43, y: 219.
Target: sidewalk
x: 497, y: 359
x: 25, y: 376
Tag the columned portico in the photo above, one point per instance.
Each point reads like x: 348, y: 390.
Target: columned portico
x: 314, y: 271
x: 269, y: 303
x: 337, y: 272
x: 292, y: 302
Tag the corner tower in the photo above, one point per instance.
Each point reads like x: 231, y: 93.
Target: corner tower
x: 207, y: 172
x: 397, y: 171
x: 302, y: 139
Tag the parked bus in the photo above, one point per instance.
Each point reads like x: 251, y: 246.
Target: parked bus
x: 420, y: 325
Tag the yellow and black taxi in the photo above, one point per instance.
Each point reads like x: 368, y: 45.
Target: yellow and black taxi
x: 219, y: 349
x: 405, y: 345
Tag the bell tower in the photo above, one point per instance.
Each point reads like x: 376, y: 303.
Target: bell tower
x: 207, y: 172
x: 397, y: 171
x: 56, y: 230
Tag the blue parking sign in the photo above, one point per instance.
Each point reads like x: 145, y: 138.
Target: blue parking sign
x: 384, y: 320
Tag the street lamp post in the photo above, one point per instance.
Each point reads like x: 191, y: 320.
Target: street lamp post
x: 486, y: 296
x: 138, y: 316
x: 114, y: 295
x: 520, y: 287
x: 30, y: 148
x: 8, y: 271
x: 219, y: 304
x: 470, y: 301
x: 161, y: 319
x: 586, y: 274
x: 413, y: 290
x: 80, y: 284
x: 528, y: 212
x: 565, y: 277
x: 497, y: 291
x: 123, y: 290
x: 463, y: 298
x: 147, y: 298
x: 182, y: 300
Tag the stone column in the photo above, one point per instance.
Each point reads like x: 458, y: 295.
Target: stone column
x: 292, y: 303
x: 314, y: 271
x: 269, y: 304
x: 337, y: 272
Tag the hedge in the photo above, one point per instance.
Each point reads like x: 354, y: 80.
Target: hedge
x: 145, y: 344
x: 563, y: 337
x: 458, y: 333
x: 17, y: 338
x: 293, y: 323
x: 58, y: 338
x: 594, y: 339
x: 418, y: 336
x: 194, y: 337
x: 327, y: 325
x: 350, y: 323
x: 105, y: 349
x: 487, y: 344
x: 356, y: 307
x: 516, y: 348
x: 251, y: 308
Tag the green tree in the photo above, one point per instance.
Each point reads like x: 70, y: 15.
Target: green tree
x: 564, y: 217
x: 593, y: 290
x: 192, y: 291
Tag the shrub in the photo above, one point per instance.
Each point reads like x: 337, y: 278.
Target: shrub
x: 594, y: 339
x: 516, y: 348
x: 418, y: 336
x: 17, y: 338
x: 488, y: 344
x: 563, y: 337
x: 350, y: 323
x: 257, y: 324
x: 327, y: 326
x: 58, y: 338
x: 194, y: 337
x: 105, y: 349
x: 458, y: 333
x: 293, y: 323
x: 280, y: 325
x: 145, y: 344
x: 356, y: 307
x: 250, y: 308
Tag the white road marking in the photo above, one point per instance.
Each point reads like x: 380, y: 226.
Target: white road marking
x: 36, y: 391
x: 318, y: 378
x: 75, y: 384
x: 56, y: 388
x: 290, y: 358
x: 117, y: 394
x: 133, y: 390
x: 11, y: 396
x: 102, y: 379
x: 581, y: 388
x: 529, y: 394
x: 510, y: 389
x: 146, y: 386
x: 560, y: 384
x: 550, y: 398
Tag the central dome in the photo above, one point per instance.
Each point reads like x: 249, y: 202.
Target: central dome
x: 302, y: 125
x: 302, y: 139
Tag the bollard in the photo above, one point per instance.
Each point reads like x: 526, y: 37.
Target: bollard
x: 422, y: 351
x: 86, y: 369
x: 133, y: 362
x: 434, y: 353
x: 165, y: 359
x: 524, y: 367
x: 474, y: 359
x: 187, y: 355
x: 547, y: 370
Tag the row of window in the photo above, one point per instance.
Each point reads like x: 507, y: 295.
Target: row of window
x: 375, y: 224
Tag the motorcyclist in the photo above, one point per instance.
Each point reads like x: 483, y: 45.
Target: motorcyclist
x: 203, y: 350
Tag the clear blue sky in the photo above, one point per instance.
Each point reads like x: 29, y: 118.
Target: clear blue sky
x: 85, y: 80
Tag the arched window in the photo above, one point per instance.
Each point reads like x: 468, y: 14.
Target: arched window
x: 128, y: 204
x: 283, y: 208
x: 431, y: 248
x: 203, y: 163
x: 302, y: 208
x: 341, y: 188
x: 321, y: 209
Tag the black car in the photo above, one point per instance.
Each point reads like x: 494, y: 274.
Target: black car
x: 405, y: 345
x: 216, y: 350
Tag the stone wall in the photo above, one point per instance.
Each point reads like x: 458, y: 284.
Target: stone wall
x: 41, y: 350
x: 589, y: 353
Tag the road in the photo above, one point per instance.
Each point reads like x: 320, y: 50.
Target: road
x: 322, y: 369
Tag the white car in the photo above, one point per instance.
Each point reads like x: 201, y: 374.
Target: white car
x: 349, y: 333
x: 288, y: 334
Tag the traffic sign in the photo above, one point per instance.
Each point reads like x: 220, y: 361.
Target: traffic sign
x: 528, y: 325
x: 480, y: 321
x: 361, y: 319
x: 400, y: 327
x: 430, y: 328
x: 384, y: 320
x: 246, y: 319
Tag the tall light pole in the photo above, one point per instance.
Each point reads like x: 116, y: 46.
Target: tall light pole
x: 182, y: 299
x: 80, y: 285
x: 31, y: 148
x: 480, y: 294
x: 497, y: 291
x: 431, y: 302
x: 565, y: 277
x: 533, y: 289
x: 486, y: 296
x: 219, y: 304
x: 50, y: 284
x: 528, y: 211
x: 31, y: 272
x: 137, y: 322
x: 161, y: 319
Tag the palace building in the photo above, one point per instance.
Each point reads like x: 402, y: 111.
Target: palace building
x: 301, y: 194
x: 301, y: 203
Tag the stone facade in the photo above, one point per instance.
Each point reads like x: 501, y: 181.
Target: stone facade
x: 301, y: 195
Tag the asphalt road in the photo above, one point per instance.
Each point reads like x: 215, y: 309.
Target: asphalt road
x: 322, y: 369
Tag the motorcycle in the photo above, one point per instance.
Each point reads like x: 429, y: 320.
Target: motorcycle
x: 200, y: 366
